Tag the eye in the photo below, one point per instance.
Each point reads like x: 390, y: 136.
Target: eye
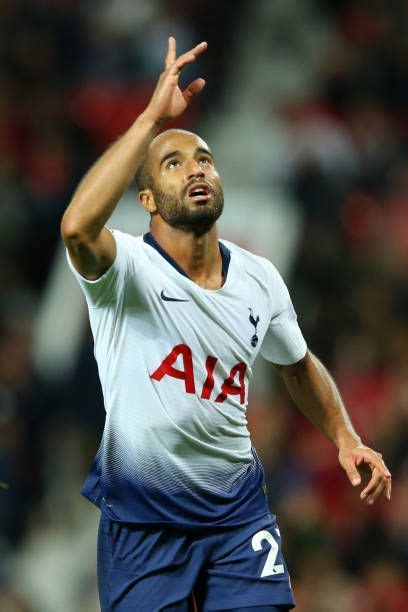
x: 204, y: 160
x: 174, y: 163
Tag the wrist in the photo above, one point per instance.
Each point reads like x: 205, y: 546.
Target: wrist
x: 346, y: 439
x: 149, y: 121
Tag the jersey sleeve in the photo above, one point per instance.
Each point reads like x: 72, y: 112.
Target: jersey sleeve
x: 283, y: 343
x: 105, y: 289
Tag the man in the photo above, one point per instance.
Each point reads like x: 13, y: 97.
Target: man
x: 178, y: 318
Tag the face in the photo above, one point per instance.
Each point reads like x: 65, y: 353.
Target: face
x: 186, y: 188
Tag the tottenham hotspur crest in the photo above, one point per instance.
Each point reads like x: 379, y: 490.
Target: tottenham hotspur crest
x: 254, y: 339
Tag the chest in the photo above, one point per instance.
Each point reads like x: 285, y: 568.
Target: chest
x: 229, y: 323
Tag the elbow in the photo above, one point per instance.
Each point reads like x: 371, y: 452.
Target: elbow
x: 294, y: 369
x: 71, y: 231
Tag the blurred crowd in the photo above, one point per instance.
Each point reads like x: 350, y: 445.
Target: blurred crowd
x: 73, y: 75
x: 350, y: 178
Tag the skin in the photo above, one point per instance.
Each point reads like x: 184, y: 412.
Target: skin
x: 196, y: 252
x: 316, y: 395
x: 93, y: 249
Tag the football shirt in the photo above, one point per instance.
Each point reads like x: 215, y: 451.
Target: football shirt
x: 174, y: 361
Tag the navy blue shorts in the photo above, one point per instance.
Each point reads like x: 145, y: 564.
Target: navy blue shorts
x: 155, y: 569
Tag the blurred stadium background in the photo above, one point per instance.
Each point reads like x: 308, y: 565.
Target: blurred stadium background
x: 306, y: 111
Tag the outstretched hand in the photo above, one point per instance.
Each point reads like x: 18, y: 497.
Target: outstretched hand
x: 168, y: 101
x: 380, y: 482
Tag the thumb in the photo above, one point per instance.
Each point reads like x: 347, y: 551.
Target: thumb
x: 193, y: 89
x: 350, y: 468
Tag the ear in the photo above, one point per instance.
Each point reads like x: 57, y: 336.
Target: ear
x: 146, y: 198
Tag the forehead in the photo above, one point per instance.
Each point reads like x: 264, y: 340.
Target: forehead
x: 165, y: 143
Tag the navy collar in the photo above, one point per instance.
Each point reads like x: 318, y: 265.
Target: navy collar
x: 225, y: 256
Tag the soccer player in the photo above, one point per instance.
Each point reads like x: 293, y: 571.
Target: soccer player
x: 178, y: 317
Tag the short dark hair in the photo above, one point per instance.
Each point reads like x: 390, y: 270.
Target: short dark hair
x: 143, y: 175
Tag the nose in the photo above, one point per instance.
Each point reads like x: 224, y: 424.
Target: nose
x: 193, y: 169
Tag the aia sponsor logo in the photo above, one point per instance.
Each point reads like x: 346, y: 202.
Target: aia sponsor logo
x: 234, y: 384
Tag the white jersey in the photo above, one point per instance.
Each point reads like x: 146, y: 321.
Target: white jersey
x: 175, y: 361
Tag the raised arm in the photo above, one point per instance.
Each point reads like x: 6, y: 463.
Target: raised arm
x: 316, y: 395
x: 91, y: 246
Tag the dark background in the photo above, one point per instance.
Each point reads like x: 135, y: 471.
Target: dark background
x: 73, y: 76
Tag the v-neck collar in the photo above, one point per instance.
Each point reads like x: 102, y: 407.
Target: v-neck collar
x: 225, y: 256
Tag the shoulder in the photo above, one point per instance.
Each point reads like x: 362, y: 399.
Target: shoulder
x: 128, y: 245
x: 255, y: 265
x: 125, y: 239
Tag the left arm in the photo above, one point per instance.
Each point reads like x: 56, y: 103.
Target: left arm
x: 315, y: 393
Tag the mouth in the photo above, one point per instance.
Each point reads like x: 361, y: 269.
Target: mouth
x: 199, y: 192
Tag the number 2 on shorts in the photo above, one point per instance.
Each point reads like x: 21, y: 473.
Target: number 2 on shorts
x: 269, y: 569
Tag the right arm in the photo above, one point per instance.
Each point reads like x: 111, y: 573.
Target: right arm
x: 91, y: 246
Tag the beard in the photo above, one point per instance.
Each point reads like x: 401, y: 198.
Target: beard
x: 178, y: 214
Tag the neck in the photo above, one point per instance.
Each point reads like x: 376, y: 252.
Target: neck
x: 198, y: 256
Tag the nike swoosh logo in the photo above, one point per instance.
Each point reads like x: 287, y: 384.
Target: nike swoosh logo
x: 165, y: 298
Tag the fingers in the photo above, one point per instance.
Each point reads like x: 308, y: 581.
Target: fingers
x: 380, y: 479
x: 182, y: 61
x: 381, y: 488
x: 193, y: 89
x: 388, y: 488
x: 171, y: 53
x: 197, y: 50
x: 374, y: 487
x: 352, y: 471
x: 375, y: 460
x: 187, y: 58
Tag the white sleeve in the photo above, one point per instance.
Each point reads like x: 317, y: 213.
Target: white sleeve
x: 283, y: 343
x: 105, y: 289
